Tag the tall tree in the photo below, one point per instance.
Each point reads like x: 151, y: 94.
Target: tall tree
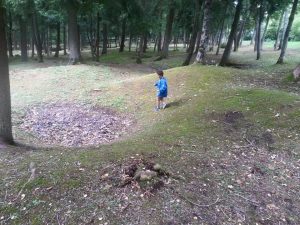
x: 234, y: 27
x: 65, y: 39
x: 201, y: 55
x: 74, y: 40
x: 168, y: 30
x: 36, y: 30
x: 37, y: 36
x: 9, y: 34
x: 278, y: 30
x: 222, y: 28
x: 98, y: 37
x: 287, y: 32
x: 194, y: 34
x: 260, y: 20
x: 265, y: 30
x: 23, y: 35
x: 105, y: 37
x: 5, y: 102
x: 57, y: 49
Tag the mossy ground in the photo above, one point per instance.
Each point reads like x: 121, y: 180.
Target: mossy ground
x: 242, y: 172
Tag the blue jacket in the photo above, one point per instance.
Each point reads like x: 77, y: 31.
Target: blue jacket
x: 162, y: 87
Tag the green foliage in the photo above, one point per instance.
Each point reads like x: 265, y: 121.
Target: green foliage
x: 296, y: 29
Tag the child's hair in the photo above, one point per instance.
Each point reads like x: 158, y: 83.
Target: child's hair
x: 160, y: 72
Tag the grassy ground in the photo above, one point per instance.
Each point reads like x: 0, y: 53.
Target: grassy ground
x: 229, y: 141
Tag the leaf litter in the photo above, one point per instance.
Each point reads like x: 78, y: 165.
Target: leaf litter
x: 75, y: 125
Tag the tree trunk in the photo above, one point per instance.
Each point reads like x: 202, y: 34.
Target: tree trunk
x: 184, y: 38
x: 155, y: 44
x: 123, y: 35
x: 265, y: 31
x: 65, y: 39
x: 23, y: 34
x: 253, y: 36
x: 105, y: 38
x: 199, y: 34
x: 159, y: 42
x: 145, y: 43
x: 37, y: 37
x: 285, y: 24
x: 222, y: 30
x: 201, y: 55
x: 9, y: 36
x: 194, y: 34
x: 32, y: 44
x: 15, y: 40
x: 256, y: 33
x: 258, y: 40
x: 140, y: 51
x: 278, y: 31
x: 239, y: 35
x: 5, y: 102
x: 130, y: 42
x: 57, y: 40
x: 287, y: 33
x: 98, y: 37
x: 80, y: 38
x: 233, y: 31
x: 168, y: 31
x: 73, y: 35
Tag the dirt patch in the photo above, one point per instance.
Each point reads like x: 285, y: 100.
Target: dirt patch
x: 75, y: 125
x: 232, y: 117
x: 241, y: 66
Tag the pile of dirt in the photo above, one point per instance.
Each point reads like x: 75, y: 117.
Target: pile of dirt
x: 144, y: 172
x: 74, y: 125
x: 135, y: 172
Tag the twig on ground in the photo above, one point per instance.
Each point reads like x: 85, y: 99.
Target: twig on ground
x: 125, y: 207
x: 228, y: 217
x: 247, y: 199
x: 31, y: 178
x: 5, y: 197
x: 193, y: 203
x: 198, y: 205
x: 57, y: 218
x: 189, y: 151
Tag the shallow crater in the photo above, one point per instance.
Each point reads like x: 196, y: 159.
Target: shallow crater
x: 75, y: 125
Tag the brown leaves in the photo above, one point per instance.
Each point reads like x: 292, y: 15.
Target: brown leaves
x: 74, y: 125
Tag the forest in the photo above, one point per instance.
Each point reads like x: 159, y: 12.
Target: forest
x: 149, y: 112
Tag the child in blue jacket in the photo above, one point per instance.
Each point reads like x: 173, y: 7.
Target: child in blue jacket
x: 162, y: 90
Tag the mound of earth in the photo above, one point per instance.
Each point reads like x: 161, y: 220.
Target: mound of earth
x: 74, y: 125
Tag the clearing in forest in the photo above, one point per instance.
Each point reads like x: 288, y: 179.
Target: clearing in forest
x: 225, y: 151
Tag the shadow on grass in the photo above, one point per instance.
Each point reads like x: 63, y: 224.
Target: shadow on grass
x: 177, y: 103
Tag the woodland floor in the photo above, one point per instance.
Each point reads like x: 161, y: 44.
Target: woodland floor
x: 226, y: 150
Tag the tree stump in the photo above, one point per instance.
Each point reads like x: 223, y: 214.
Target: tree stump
x: 296, y: 73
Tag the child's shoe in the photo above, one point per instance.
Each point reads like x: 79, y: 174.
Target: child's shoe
x: 156, y: 109
x: 164, y: 106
